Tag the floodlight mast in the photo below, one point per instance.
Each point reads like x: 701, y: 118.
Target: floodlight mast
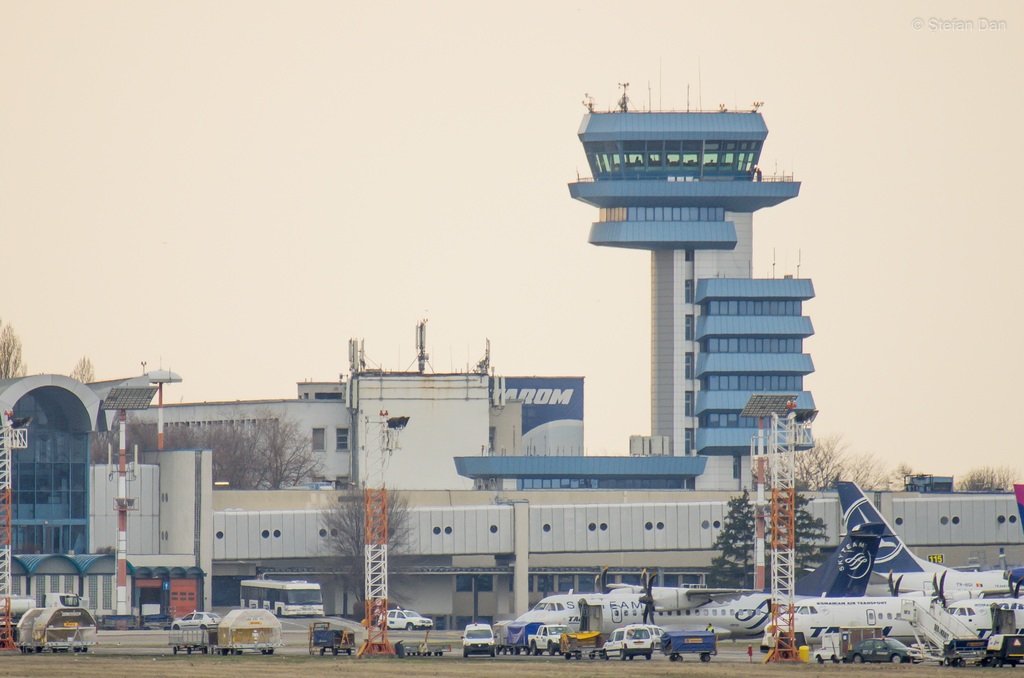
x: 11, y: 438
x: 375, y: 527
x: 123, y: 399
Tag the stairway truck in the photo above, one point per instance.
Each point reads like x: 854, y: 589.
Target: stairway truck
x: 56, y: 629
x: 255, y: 630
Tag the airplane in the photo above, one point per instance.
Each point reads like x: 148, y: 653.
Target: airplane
x: 897, y: 570
x: 733, y: 614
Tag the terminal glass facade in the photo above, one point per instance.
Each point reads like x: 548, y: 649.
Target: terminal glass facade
x: 50, y: 488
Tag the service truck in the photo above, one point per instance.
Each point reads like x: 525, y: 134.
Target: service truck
x: 548, y: 637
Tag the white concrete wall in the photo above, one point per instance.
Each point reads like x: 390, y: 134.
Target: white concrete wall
x: 449, y: 416
x: 143, y: 524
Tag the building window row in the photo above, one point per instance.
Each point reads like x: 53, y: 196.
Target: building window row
x: 680, y: 157
x: 727, y: 420
x: 662, y: 214
x: 753, y: 345
x: 752, y: 382
x: 753, y: 307
x: 606, y: 483
x: 955, y: 520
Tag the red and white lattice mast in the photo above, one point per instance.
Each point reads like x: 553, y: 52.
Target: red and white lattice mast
x: 376, y: 537
x: 122, y: 399
x: 12, y: 437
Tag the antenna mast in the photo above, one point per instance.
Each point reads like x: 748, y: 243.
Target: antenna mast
x: 421, y: 345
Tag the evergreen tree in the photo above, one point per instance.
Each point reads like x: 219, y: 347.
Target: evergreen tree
x: 735, y: 566
x: 810, y: 532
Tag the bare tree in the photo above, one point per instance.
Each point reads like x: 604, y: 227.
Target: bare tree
x: 84, y: 371
x: 345, y: 523
x: 820, y: 467
x: 898, y: 482
x: 831, y: 460
x: 989, y: 479
x: 868, y: 471
x: 261, y: 450
x: 11, y: 364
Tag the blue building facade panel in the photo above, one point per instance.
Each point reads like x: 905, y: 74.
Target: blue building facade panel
x: 754, y: 326
x: 761, y: 363
x: 647, y: 235
x: 799, y: 289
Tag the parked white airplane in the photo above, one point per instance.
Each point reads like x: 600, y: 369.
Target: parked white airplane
x: 732, y: 614
x: 908, y: 572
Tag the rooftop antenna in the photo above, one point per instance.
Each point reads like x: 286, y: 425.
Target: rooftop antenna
x: 660, y: 89
x: 799, y: 258
x: 757, y: 105
x: 421, y: 345
x: 650, y: 106
x: 687, y: 97
x: 588, y: 101
x: 624, y: 100
x: 773, y: 263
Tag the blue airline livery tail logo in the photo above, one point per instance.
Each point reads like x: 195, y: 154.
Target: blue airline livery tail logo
x: 892, y: 553
x: 855, y: 560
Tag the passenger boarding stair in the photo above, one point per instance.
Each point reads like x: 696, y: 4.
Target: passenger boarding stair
x: 941, y: 636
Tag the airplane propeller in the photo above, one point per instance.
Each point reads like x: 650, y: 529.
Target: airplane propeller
x: 601, y: 581
x: 1014, y: 586
x: 647, y: 598
x: 894, y: 586
x: 939, y: 584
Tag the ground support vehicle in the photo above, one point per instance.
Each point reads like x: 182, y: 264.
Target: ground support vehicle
x: 585, y: 643
x: 408, y: 620
x: 192, y: 640
x: 322, y: 637
x: 1004, y: 649
x: 676, y: 644
x: 963, y: 651
x: 478, y: 639
x: 256, y: 630
x: 630, y: 641
x: 57, y: 629
x: 514, y: 637
x: 548, y: 637
x: 424, y: 649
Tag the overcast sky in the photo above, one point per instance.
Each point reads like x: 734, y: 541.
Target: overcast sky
x: 232, y: 190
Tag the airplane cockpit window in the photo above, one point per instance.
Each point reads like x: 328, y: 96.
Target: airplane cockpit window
x: 541, y: 606
x: 559, y: 607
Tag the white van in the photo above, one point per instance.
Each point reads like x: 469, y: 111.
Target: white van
x: 630, y: 641
x: 478, y: 639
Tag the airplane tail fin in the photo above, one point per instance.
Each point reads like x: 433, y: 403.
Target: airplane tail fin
x: 893, y: 554
x: 1018, y: 491
x: 847, y: 572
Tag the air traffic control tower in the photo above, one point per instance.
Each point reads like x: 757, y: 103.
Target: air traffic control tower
x: 685, y: 186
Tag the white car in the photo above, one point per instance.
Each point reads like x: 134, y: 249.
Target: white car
x: 408, y: 620
x: 478, y: 639
x: 196, y: 620
x: 629, y: 641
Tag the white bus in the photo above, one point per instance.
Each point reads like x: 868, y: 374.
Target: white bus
x: 283, y: 598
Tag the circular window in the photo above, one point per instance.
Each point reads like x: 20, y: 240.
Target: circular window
x: 604, y: 526
x: 277, y: 534
x: 494, y: 529
x: 334, y: 532
x: 220, y: 535
x: 547, y: 528
x: 1013, y: 519
x: 705, y: 524
x: 592, y: 526
x: 448, y: 530
x: 1001, y: 519
x: 323, y: 532
x: 648, y: 525
x: 265, y: 533
x: 956, y: 520
x: 660, y: 525
x: 437, y: 530
x: 899, y: 521
x: 943, y: 520
x: 716, y: 524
